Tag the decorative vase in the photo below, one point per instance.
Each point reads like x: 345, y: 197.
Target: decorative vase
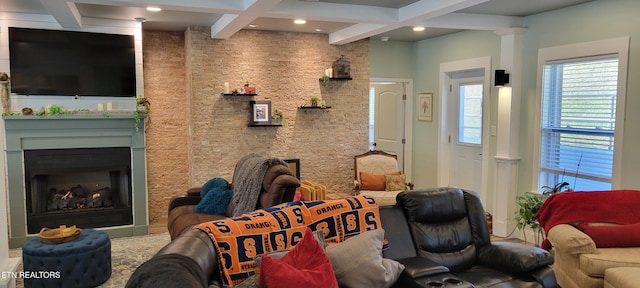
x: 5, y: 96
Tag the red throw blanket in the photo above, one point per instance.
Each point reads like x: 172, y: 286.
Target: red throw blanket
x: 617, y: 206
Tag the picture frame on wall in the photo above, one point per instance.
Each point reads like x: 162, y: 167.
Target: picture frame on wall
x: 260, y: 112
x: 425, y: 107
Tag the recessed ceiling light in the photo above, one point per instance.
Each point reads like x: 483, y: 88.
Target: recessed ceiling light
x: 318, y: 29
x: 140, y: 19
x: 253, y: 25
x: 300, y: 21
x: 418, y: 28
x: 154, y: 9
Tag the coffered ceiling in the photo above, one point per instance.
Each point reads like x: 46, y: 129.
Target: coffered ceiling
x: 343, y: 20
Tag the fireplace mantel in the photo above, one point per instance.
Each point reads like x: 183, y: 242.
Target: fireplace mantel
x: 67, y: 131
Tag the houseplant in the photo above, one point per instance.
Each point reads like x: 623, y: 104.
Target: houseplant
x: 528, y: 206
x: 143, y: 108
x: 278, y: 117
x: 314, y: 101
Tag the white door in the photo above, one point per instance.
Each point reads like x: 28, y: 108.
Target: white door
x: 465, y: 137
x: 388, y: 119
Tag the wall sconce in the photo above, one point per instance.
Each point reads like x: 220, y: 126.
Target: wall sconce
x: 501, y: 78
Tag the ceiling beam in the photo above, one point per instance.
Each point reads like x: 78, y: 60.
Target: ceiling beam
x: 409, y: 15
x: 333, y: 12
x: 229, y: 24
x: 66, y: 13
x: 474, y: 21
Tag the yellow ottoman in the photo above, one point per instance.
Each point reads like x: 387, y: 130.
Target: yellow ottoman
x: 622, y: 277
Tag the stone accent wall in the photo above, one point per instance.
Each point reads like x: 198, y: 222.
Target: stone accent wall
x: 284, y: 68
x: 167, y: 131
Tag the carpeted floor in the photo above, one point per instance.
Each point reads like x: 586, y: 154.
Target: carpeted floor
x: 126, y: 255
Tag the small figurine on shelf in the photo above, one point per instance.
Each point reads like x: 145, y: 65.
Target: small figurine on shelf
x: 248, y: 89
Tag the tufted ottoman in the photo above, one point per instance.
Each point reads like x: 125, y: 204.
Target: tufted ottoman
x: 84, y: 262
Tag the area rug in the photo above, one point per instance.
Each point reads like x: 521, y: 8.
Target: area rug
x: 126, y: 255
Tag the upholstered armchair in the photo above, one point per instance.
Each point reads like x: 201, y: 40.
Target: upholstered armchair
x: 377, y: 175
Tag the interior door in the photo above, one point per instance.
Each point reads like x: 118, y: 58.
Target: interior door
x: 388, y: 127
x: 465, y: 138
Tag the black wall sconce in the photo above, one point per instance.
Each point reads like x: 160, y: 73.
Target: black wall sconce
x: 501, y: 78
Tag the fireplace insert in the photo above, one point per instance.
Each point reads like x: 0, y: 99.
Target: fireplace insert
x: 86, y: 187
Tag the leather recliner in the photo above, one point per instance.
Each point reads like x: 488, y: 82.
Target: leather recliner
x: 452, y: 244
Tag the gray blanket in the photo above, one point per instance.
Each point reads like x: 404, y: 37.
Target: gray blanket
x: 247, y: 181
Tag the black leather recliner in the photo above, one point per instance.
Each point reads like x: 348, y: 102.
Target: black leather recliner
x: 447, y: 229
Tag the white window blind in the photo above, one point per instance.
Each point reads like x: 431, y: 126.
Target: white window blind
x: 578, y: 122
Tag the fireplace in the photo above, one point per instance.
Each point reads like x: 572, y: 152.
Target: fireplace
x: 87, y: 170
x: 86, y: 187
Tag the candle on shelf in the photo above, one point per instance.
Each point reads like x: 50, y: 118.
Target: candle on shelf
x: 100, y: 107
x: 109, y: 106
x: 226, y: 87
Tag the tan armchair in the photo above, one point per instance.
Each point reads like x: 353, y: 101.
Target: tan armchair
x: 370, y: 170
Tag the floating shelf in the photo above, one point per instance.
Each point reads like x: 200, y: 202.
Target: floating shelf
x: 265, y: 125
x: 236, y: 95
x: 338, y: 79
x: 314, y: 107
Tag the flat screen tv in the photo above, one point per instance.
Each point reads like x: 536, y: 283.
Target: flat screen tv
x: 69, y: 63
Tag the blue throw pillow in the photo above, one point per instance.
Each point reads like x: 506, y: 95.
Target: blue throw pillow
x: 216, y: 198
x: 213, y: 182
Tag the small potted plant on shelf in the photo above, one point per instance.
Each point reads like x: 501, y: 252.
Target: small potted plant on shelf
x: 314, y: 101
x: 278, y: 117
x: 143, y: 108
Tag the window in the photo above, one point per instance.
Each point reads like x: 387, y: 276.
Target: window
x: 578, y: 122
x: 470, y: 122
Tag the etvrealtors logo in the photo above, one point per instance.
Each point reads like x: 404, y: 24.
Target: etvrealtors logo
x: 31, y: 275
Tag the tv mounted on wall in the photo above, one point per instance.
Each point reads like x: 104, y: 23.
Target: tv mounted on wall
x: 69, y: 63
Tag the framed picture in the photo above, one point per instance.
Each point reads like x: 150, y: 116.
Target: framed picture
x: 260, y: 112
x: 425, y: 106
x: 294, y: 166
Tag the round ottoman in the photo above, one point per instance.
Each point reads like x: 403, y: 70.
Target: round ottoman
x: 84, y: 262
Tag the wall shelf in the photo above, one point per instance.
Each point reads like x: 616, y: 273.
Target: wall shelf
x: 237, y: 95
x: 339, y: 79
x: 314, y: 107
x: 265, y: 125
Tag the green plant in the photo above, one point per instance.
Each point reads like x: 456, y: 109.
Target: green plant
x: 136, y: 116
x: 278, y: 114
x: 314, y: 101
x: 530, y: 203
x: 325, y: 78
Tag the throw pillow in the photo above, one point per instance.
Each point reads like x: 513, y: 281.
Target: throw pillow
x: 358, y: 261
x: 374, y: 182
x: 306, y: 265
x: 395, y: 182
x: 606, y: 236
x: 281, y: 227
x: 216, y: 199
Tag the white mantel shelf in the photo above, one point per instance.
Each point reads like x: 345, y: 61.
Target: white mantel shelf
x: 77, y: 115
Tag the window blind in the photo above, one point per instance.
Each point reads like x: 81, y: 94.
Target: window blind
x: 578, y: 122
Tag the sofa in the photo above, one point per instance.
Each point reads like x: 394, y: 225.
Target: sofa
x: 277, y: 184
x: 591, y: 235
x: 439, y: 235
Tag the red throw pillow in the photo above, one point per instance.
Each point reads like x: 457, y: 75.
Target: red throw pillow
x: 606, y: 236
x: 374, y: 182
x: 306, y: 265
